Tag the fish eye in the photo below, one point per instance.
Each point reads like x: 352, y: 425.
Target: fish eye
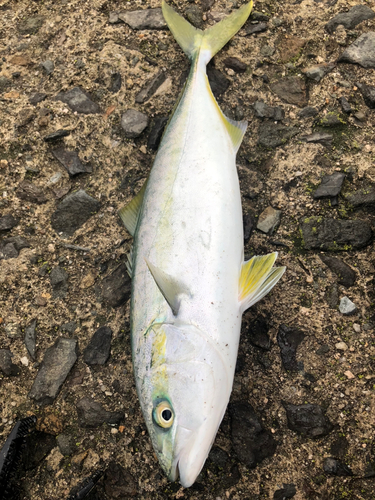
x: 163, y: 414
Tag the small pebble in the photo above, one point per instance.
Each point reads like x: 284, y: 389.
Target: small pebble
x: 349, y: 374
x: 346, y: 306
x: 341, y: 346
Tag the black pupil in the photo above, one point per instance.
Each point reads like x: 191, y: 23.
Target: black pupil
x: 167, y: 415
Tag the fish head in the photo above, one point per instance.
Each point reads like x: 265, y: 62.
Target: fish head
x: 184, y: 397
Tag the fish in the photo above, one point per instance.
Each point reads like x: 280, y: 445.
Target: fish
x: 190, y: 283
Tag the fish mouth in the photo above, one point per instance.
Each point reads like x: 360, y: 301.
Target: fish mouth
x: 174, y: 471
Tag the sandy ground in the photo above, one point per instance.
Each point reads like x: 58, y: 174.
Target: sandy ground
x: 86, y: 50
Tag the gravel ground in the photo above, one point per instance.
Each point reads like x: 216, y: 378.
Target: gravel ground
x: 301, y: 419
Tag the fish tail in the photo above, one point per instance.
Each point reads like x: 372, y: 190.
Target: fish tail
x: 194, y: 41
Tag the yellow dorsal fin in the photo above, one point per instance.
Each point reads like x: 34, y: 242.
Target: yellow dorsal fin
x: 129, y: 213
x: 257, y: 278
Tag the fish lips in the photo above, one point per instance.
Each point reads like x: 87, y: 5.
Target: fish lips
x: 190, y: 455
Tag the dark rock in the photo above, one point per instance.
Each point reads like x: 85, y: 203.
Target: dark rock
x: 291, y: 89
x: 133, y: 123
x: 235, y: 64
x: 259, y: 16
x: 361, y: 52
x: 340, y: 446
x: 345, y: 106
x: 335, y: 235
x: 319, y: 138
x: 79, y: 101
x: 194, y: 16
x: 287, y: 491
x: 308, y: 420
x: 55, y: 136
x: 331, y: 119
x: 48, y: 67
x: 115, y: 85
x: 73, y: 212
x: 262, y: 110
x: 336, y: 467
x: 290, y: 47
x: 249, y: 224
x: 30, y: 338
x: 156, y: 132
x: 4, y: 83
x: 66, y: 444
x: 25, y: 116
x: 362, y: 198
x: 289, y: 338
x: 10, y: 247
x: 323, y: 349
x: 117, y: 287
x: 307, y: 112
x: 8, y: 222
x: 258, y: 334
x: 368, y: 94
x: 350, y: 19
x: 30, y: 192
x: 92, y: 414
x: 218, y: 456
x: 6, y: 365
x: 148, y: 19
x: 251, y: 442
x: 98, y: 350
x: 59, y: 282
x: 70, y: 160
x: 345, y: 274
x: 31, y: 25
x: 218, y: 82
x: 332, y: 296
x: 330, y: 186
x: 272, y: 134
x: 38, y: 446
x: 119, y: 483
x: 69, y: 327
x: 318, y: 71
x: 251, y: 29
x: 207, y: 4
x: 55, y: 367
x: 150, y: 87
x: 36, y: 98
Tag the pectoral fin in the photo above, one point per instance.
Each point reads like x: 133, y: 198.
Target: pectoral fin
x: 170, y: 287
x: 129, y: 213
x: 257, y: 278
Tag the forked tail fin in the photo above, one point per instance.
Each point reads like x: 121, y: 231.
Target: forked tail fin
x: 192, y: 40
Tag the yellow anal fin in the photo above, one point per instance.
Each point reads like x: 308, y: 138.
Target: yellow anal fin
x: 236, y: 131
x: 129, y: 213
x: 257, y: 278
x: 170, y: 287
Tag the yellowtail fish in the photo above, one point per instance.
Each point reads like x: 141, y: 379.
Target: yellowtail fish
x: 190, y: 284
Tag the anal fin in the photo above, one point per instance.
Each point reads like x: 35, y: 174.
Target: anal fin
x: 170, y: 287
x: 129, y: 213
x: 257, y: 278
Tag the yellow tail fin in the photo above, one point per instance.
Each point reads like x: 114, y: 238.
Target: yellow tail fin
x: 192, y: 40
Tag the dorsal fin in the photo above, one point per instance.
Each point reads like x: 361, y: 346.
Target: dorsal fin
x: 257, y: 278
x: 129, y: 213
x: 169, y: 286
